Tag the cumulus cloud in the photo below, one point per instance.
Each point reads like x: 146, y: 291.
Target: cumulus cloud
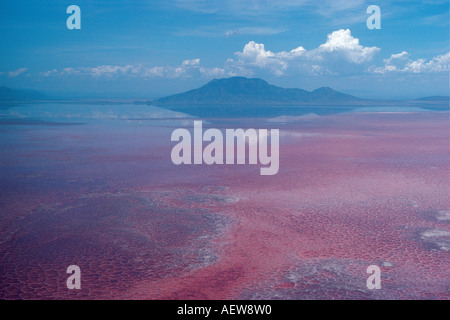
x: 401, y: 62
x: 340, y: 45
x: 254, y: 54
x: 339, y: 50
x: 342, y: 42
x: 17, y: 72
x: 340, y: 54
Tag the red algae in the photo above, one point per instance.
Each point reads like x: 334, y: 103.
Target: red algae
x: 353, y: 190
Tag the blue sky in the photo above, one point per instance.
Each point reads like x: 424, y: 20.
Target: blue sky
x: 145, y: 49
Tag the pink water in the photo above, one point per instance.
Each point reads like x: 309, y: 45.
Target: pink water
x: 353, y: 190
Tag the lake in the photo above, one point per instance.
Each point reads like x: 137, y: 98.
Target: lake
x: 93, y: 185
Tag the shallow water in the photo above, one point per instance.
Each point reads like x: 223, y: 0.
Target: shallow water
x: 94, y: 185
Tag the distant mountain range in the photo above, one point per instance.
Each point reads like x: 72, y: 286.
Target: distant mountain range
x: 245, y: 91
x: 8, y: 94
x: 244, y: 97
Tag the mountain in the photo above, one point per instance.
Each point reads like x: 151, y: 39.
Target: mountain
x: 245, y: 91
x: 434, y: 99
x: 8, y: 94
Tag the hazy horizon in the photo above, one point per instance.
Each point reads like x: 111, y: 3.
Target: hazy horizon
x: 58, y: 95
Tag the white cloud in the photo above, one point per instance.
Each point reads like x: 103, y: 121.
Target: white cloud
x: 49, y: 72
x: 108, y: 70
x: 342, y: 42
x: 437, y: 64
x: 214, y: 72
x: 339, y: 51
x: 191, y: 63
x: 401, y: 62
x: 340, y: 54
x: 186, y: 69
x: 102, y: 70
x: 340, y: 45
x: 255, y: 54
x: 17, y: 72
x: 153, y: 72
